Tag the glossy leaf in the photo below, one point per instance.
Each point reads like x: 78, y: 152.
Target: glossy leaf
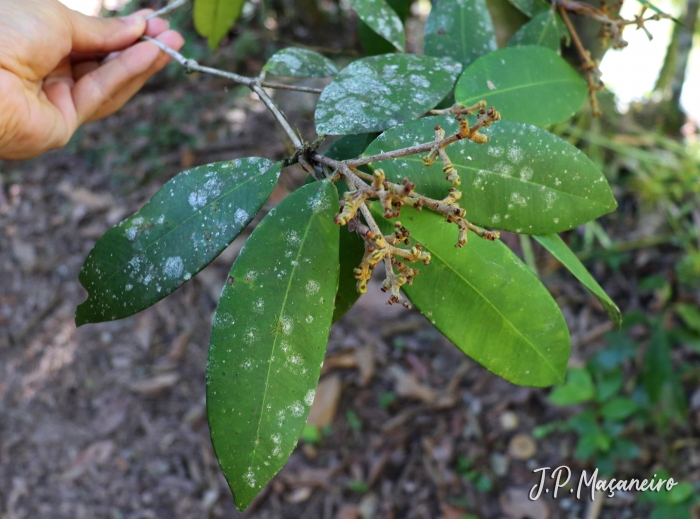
x: 376, y: 93
x: 269, y: 338
x: 459, y: 29
x: 374, y: 44
x: 352, y: 248
x: 186, y: 224
x: 529, y: 84
x: 546, y: 29
x: 524, y: 179
x: 382, y: 19
x: 618, y: 408
x: 214, y: 18
x: 298, y: 62
x: 690, y: 315
x: 531, y: 7
x: 556, y: 246
x: 578, y: 388
x: 662, y: 383
x: 487, y: 302
x: 350, y: 146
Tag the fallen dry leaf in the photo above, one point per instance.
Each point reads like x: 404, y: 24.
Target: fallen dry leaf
x: 325, y: 405
x: 299, y: 495
x: 516, y: 503
x: 96, y: 453
x: 451, y: 512
x: 407, y: 386
x: 155, y: 385
x: 365, y: 361
x: 348, y: 512
x: 341, y: 360
x: 81, y: 196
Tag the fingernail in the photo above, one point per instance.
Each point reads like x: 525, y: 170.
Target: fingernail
x: 134, y: 19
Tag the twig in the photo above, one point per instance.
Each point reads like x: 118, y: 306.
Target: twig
x: 593, y: 74
x: 293, y: 88
x: 167, y: 9
x: 252, y: 83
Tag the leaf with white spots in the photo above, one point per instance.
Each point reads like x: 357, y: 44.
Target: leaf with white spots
x: 298, y: 62
x: 374, y: 44
x: 524, y: 180
x: 382, y: 19
x: 269, y: 338
x: 485, y: 300
x: 376, y: 93
x: 560, y: 250
x: 530, y: 84
x: 546, y: 29
x: 459, y: 29
x: 186, y: 224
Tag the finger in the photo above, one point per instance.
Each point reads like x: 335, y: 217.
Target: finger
x: 155, y: 28
x: 84, y: 68
x: 80, y: 57
x: 92, y: 34
x: 170, y: 38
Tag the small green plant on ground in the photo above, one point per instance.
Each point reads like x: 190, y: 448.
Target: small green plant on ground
x: 447, y: 173
x: 623, y: 393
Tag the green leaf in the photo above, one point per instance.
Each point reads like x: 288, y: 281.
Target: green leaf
x: 531, y: 7
x: 214, y: 18
x: 529, y: 84
x: 382, y: 19
x: 584, y: 423
x: 524, y: 179
x: 459, y: 29
x: 625, y: 449
x: 350, y: 146
x: 618, y: 408
x: 186, y: 224
x: 578, y: 388
x: 269, y: 338
x: 376, y: 93
x: 554, y: 244
x: 608, y: 385
x: 658, y: 365
x: 657, y: 10
x: 690, y: 315
x: 352, y: 248
x: 487, y: 302
x: 546, y: 29
x: 298, y: 62
x: 586, y: 446
x: 682, y: 492
x: 671, y: 511
x: 374, y: 44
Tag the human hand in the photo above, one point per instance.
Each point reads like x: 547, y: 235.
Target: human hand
x: 60, y: 69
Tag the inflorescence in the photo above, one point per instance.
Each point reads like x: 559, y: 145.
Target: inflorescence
x: 395, y: 249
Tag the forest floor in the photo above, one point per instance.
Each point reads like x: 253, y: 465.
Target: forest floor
x: 108, y: 421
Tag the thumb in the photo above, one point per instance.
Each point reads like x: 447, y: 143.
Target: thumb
x: 91, y: 34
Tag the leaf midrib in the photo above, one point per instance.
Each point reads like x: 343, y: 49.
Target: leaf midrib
x: 492, y: 306
x: 520, y: 86
x: 181, y: 224
x: 464, y: 166
x: 277, y: 334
